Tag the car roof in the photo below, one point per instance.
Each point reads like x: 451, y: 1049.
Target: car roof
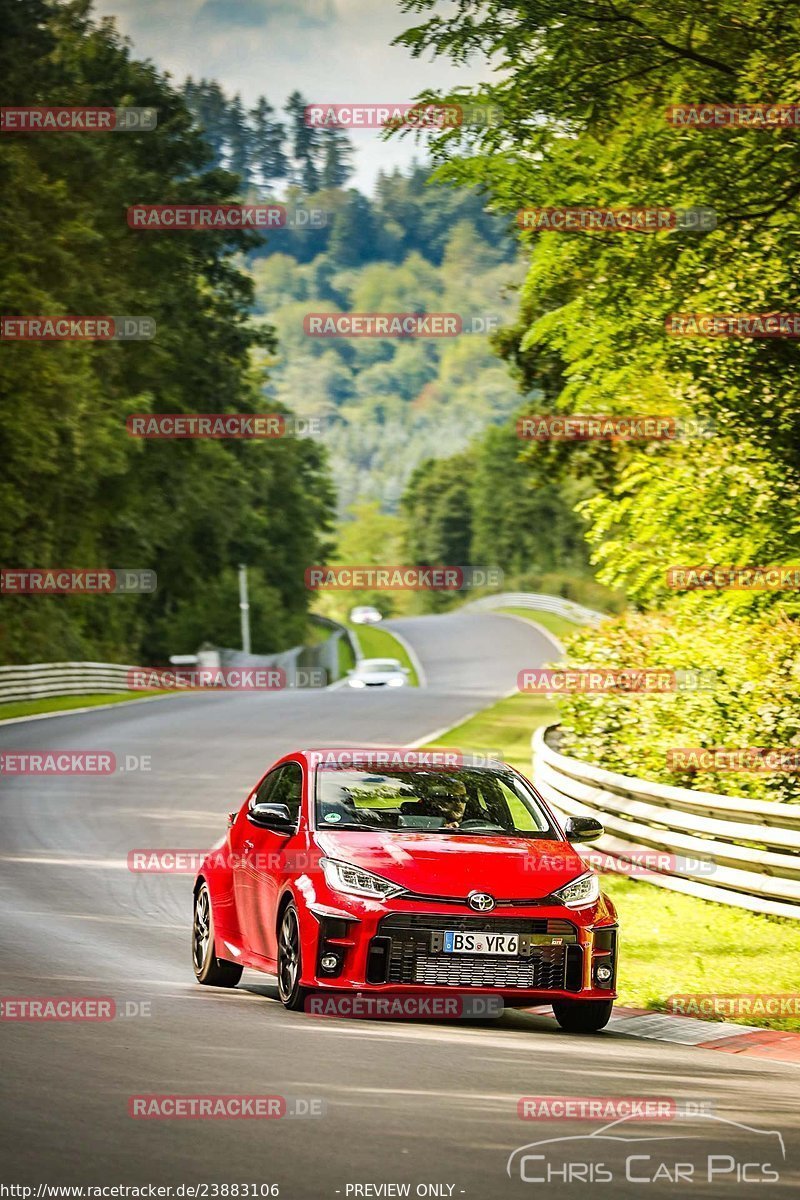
x: 473, y: 762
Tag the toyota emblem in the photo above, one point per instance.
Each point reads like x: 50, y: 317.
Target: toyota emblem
x: 481, y: 901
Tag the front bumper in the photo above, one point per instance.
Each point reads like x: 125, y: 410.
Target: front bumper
x: 401, y: 950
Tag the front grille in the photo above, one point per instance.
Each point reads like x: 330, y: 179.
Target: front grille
x: 412, y: 960
x: 469, y: 924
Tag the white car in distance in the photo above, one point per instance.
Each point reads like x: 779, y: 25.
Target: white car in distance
x: 377, y: 672
x: 365, y: 614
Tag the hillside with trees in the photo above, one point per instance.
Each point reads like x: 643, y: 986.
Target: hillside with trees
x: 387, y: 404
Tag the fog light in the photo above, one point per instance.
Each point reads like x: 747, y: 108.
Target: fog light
x: 329, y: 962
x: 603, y: 974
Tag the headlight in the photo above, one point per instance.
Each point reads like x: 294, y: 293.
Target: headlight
x: 343, y: 877
x: 396, y: 681
x: 357, y: 683
x: 582, y: 891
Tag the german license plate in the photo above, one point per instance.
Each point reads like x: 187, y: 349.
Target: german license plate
x: 481, y: 943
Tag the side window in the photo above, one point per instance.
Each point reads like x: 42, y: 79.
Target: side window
x: 284, y: 786
x: 263, y: 793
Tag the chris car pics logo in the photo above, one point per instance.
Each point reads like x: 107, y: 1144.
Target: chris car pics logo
x: 701, y: 1149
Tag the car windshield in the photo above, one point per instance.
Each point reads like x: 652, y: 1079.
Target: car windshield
x: 378, y: 664
x: 470, y: 800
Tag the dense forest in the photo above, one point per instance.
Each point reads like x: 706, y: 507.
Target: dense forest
x: 77, y: 491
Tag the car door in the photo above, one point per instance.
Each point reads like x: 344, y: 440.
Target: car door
x: 265, y: 856
x: 243, y: 864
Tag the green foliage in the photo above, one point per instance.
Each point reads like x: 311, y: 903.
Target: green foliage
x: 389, y: 402
x: 365, y: 537
x: 756, y: 701
x: 579, y: 93
x: 77, y: 490
x: 581, y: 99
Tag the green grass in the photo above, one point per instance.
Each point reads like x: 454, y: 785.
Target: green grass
x: 379, y: 643
x: 560, y: 626
x: 670, y: 944
x: 504, y: 729
x: 30, y: 708
x: 346, y: 658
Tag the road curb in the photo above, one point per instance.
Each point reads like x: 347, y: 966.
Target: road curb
x: 749, y: 1040
x: 422, y: 679
x: 71, y: 712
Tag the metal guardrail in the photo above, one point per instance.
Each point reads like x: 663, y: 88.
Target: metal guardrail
x: 744, y: 853
x: 554, y: 604
x: 37, y: 681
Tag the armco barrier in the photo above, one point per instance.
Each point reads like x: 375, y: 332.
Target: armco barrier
x: 741, y: 852
x: 554, y: 604
x: 37, y: 681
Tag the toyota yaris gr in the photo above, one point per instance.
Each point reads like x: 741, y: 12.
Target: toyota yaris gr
x: 407, y: 871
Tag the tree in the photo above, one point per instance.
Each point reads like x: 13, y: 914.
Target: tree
x: 238, y: 138
x: 267, y: 144
x: 336, y: 158
x: 305, y: 144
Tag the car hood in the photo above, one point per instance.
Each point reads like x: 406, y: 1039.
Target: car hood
x: 452, y: 864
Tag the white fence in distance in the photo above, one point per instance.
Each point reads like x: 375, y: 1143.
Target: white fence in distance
x: 736, y: 851
x: 552, y: 604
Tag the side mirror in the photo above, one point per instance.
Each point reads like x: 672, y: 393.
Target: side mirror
x: 583, y: 829
x: 271, y: 816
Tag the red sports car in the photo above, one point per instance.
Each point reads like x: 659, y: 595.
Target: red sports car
x: 402, y: 871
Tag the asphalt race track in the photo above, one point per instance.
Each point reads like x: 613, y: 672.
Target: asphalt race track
x: 419, y: 1103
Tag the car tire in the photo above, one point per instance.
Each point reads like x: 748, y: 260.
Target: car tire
x: 582, y: 1016
x: 208, y: 969
x: 290, y: 961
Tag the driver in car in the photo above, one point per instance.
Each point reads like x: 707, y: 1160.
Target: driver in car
x: 448, y: 801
